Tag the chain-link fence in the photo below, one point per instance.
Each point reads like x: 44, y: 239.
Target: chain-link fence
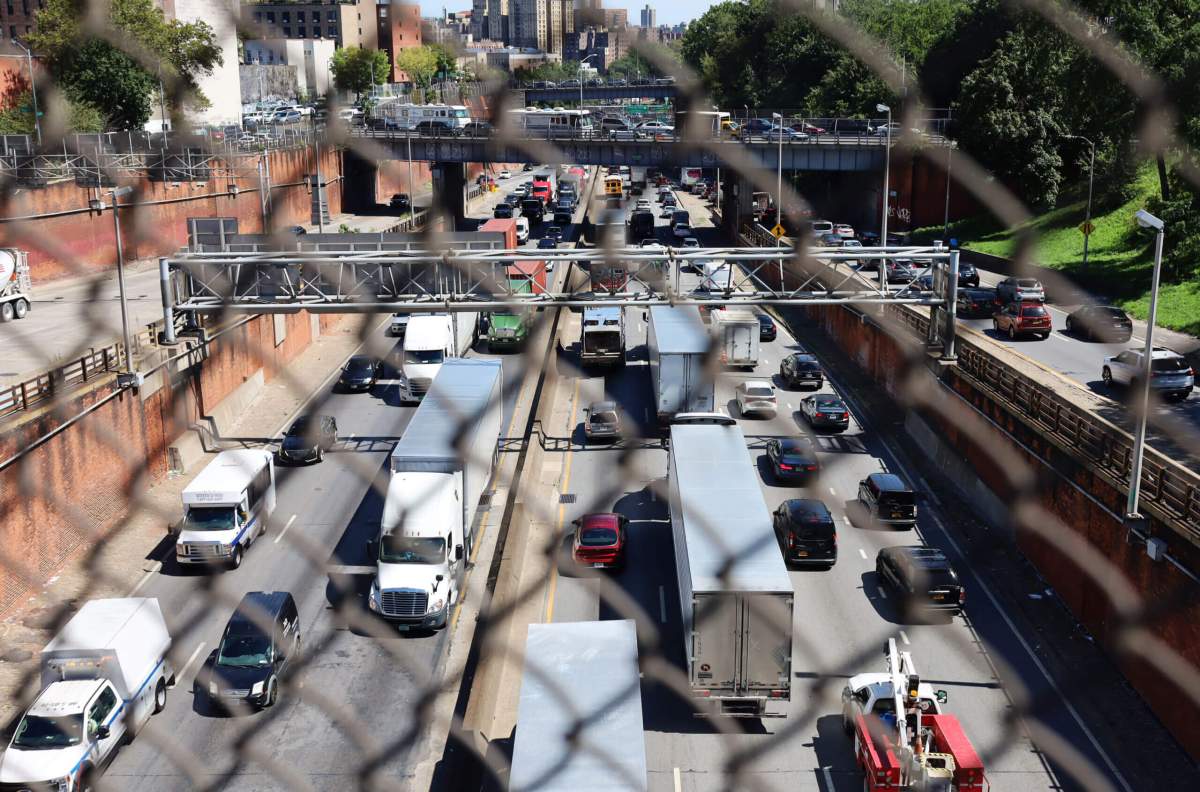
x: 915, y: 478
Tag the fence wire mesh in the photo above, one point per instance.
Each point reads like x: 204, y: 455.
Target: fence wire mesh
x: 340, y: 721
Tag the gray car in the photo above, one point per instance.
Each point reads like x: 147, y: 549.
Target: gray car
x: 601, y: 421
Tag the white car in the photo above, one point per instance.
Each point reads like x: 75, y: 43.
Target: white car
x: 755, y: 397
x: 505, y: 174
x: 656, y: 128
x: 691, y: 242
x: 844, y: 231
x: 642, y: 203
x: 681, y: 230
x: 1170, y: 373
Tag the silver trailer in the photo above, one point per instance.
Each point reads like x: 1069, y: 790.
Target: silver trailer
x: 734, y: 590
x: 677, y: 344
x: 579, y: 717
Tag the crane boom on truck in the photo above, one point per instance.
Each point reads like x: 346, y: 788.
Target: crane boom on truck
x: 902, y: 741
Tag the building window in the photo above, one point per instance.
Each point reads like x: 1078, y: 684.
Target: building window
x: 12, y: 31
x: 25, y: 6
x: 303, y: 32
x: 287, y: 31
x: 271, y: 17
x: 332, y: 16
x: 258, y: 16
x: 286, y: 16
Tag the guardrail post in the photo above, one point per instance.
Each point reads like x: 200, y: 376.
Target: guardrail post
x: 24, y: 397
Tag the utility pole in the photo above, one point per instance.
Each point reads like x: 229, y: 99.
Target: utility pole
x: 37, y: 116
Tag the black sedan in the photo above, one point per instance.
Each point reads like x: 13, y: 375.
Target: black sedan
x: 801, y: 368
x: 401, y: 202
x: 547, y: 243
x: 766, y: 328
x: 307, y: 439
x: 923, y: 578
x: 502, y: 211
x: 360, y: 373
x: 793, y: 459
x: 806, y: 532
x: 975, y: 304
x: 967, y: 274
x: 1100, y: 323
x: 554, y: 232
x: 825, y: 411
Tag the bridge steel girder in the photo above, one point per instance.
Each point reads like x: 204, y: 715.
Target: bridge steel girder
x: 858, y: 156
x: 561, y: 95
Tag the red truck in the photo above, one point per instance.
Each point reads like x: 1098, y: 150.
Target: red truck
x: 529, y: 272
x: 506, y: 226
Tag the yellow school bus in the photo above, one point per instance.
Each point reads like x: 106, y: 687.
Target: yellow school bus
x: 614, y: 187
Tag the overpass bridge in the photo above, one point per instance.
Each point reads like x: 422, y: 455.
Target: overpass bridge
x: 601, y: 92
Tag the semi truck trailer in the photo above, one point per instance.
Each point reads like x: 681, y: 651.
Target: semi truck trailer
x: 678, y: 344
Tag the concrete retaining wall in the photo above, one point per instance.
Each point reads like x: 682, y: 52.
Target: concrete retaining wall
x: 72, y: 490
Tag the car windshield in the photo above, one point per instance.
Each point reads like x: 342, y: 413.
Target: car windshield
x: 937, y: 578
x: 1171, y: 365
x: 395, y: 549
x: 38, y: 731
x: 1111, y: 313
x: 360, y: 366
x: 244, y: 649
x: 807, y: 365
x: 760, y: 393
x: 830, y: 405
x: 1033, y: 310
x: 598, y: 537
x: 897, y: 498
x: 424, y: 356
x: 1026, y: 283
x: 814, y: 526
x: 604, y: 417
x: 209, y: 518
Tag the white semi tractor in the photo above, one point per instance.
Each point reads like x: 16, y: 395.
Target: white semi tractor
x: 16, y: 287
x: 103, y: 676
x: 429, y: 341
x: 440, y: 469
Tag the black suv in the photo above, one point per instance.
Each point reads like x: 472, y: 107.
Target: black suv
x: 360, y: 373
x: 261, y: 638
x: 888, y: 499
x: 801, y: 368
x: 401, y: 202
x: 502, y: 211
x: 308, y: 438
x: 923, y: 578
x: 806, y: 532
x: 433, y: 126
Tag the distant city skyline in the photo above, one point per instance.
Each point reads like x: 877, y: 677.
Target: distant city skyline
x: 668, y: 12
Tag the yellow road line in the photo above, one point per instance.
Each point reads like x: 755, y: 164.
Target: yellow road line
x: 562, y: 509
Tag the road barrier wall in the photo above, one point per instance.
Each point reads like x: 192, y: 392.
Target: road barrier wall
x: 71, y: 468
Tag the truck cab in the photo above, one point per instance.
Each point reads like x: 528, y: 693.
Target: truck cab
x: 873, y: 694
x: 226, y: 508
x: 419, y: 553
x: 72, y: 725
x: 507, y: 330
x: 428, y: 342
x: 602, y: 336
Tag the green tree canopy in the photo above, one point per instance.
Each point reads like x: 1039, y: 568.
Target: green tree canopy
x: 357, y: 69
x: 419, y: 63
x: 121, y: 78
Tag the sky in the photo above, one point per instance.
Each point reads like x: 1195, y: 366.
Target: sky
x: 670, y: 12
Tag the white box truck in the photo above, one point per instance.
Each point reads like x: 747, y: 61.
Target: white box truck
x: 440, y: 470
x: 579, y: 715
x: 226, y: 508
x: 430, y: 340
x: 677, y: 344
x: 737, y: 618
x: 103, y: 676
x: 16, y: 287
x: 736, y: 333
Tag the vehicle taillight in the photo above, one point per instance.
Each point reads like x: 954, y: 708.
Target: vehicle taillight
x: 811, y: 467
x: 962, y: 596
x: 784, y: 467
x: 779, y: 694
x: 791, y: 540
x: 703, y: 693
x: 845, y: 416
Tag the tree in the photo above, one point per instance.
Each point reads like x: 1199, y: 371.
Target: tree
x: 357, y: 69
x: 121, y: 80
x: 419, y: 63
x: 16, y: 117
x: 447, y: 63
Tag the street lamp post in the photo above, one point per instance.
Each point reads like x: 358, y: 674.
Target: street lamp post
x: 946, y: 216
x: 115, y: 194
x: 887, y: 168
x: 37, y: 121
x: 1145, y: 220
x: 581, y: 62
x: 1091, y: 178
x: 777, y: 117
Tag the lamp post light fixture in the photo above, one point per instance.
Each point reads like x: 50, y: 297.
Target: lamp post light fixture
x: 115, y: 194
x: 887, y: 167
x: 1145, y: 220
x: 581, y: 62
x: 37, y: 117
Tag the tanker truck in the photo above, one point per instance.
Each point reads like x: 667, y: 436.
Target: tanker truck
x: 16, y: 288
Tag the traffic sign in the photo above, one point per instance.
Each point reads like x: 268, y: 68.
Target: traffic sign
x: 1087, y: 227
x: 778, y: 231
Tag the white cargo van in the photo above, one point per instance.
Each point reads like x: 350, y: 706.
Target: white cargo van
x: 103, y: 676
x: 440, y: 469
x: 522, y: 230
x: 226, y: 508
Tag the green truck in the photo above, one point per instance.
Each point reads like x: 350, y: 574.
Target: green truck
x: 509, y: 330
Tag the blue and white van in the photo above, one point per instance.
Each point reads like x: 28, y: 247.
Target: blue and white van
x: 226, y: 508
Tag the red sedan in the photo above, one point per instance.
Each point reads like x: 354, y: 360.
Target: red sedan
x: 600, y: 540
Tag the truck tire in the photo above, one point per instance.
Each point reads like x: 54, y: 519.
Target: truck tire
x: 21, y: 308
x: 160, y: 696
x: 87, y: 779
x: 6, y: 312
x: 272, y: 694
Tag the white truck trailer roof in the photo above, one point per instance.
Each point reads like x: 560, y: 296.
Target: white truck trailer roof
x: 224, y: 480
x: 724, y: 514
x: 580, y: 673
x: 417, y: 504
x: 678, y: 330
x: 462, y: 391
x: 129, y: 630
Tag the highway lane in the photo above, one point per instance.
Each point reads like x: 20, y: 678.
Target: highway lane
x: 335, y: 507
x: 842, y: 617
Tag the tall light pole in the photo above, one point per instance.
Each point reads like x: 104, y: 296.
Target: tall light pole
x: 37, y: 120
x: 887, y: 167
x: 115, y: 194
x: 581, y: 62
x: 946, y: 217
x: 778, y: 118
x: 1145, y: 220
x: 1087, y: 222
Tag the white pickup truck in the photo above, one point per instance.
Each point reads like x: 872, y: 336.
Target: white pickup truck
x: 103, y: 676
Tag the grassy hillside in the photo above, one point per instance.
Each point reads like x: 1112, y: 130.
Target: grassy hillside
x: 1120, y: 256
